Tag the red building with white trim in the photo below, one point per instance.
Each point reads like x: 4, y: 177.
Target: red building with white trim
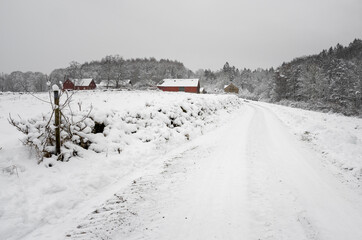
x: 180, y: 85
x: 79, y: 84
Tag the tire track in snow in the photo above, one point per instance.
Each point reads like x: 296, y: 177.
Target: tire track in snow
x: 275, y: 211
x: 123, y: 213
x: 211, y: 202
x: 308, y: 202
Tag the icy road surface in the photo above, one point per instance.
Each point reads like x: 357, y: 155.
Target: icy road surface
x: 249, y: 179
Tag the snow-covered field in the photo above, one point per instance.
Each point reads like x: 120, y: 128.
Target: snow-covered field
x: 140, y: 127
x: 336, y: 137
x: 186, y: 166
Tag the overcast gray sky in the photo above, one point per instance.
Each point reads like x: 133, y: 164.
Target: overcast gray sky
x: 41, y: 35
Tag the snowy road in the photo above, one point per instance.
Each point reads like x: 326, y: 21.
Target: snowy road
x: 250, y: 179
x: 291, y: 195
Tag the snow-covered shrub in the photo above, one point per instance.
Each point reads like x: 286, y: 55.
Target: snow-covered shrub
x: 40, y: 133
x: 112, y: 131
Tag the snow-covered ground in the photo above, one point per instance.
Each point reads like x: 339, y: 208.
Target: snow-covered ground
x: 140, y: 127
x: 337, y: 138
x: 224, y: 169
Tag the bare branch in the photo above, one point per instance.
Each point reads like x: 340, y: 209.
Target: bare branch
x: 38, y: 98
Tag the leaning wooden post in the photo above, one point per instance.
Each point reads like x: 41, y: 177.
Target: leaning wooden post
x: 57, y: 119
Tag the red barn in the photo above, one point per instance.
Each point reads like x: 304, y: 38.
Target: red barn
x: 180, y: 85
x: 79, y: 84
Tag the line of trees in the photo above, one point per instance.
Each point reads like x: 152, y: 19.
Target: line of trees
x: 330, y: 80
x: 255, y: 84
x: 142, y: 72
x: 23, y: 82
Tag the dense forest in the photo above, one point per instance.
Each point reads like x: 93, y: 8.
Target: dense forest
x: 330, y: 80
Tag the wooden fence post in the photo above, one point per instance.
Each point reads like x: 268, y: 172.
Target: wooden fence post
x: 57, y: 119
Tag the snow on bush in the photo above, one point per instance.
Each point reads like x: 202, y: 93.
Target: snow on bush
x: 113, y: 130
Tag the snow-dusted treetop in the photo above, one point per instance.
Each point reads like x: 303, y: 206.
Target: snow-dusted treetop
x: 179, y: 83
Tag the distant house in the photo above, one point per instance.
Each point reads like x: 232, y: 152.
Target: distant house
x: 180, y: 85
x: 109, y: 84
x: 79, y: 84
x: 231, y: 88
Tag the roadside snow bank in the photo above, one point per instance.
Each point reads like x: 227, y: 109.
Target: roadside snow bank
x: 338, y: 138
x: 133, y: 130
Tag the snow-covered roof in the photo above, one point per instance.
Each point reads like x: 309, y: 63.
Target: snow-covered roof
x: 179, y: 83
x: 105, y: 83
x: 225, y: 86
x: 82, y: 82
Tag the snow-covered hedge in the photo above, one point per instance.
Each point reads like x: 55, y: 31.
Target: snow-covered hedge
x: 111, y: 130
